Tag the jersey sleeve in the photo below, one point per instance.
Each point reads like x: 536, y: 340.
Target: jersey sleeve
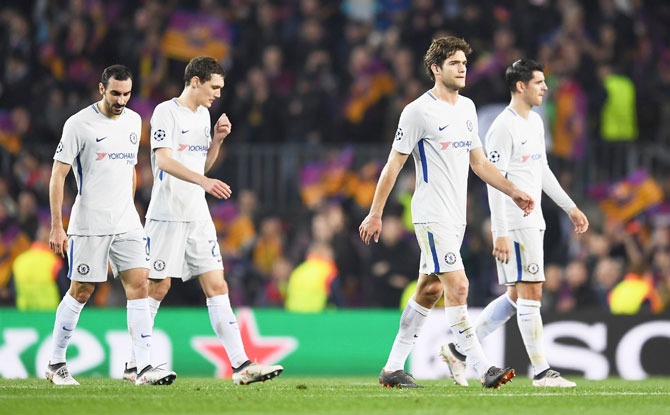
x: 162, y: 128
x: 69, y: 145
x: 499, y: 146
x: 410, y: 130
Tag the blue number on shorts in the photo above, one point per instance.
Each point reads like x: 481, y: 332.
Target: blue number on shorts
x: 147, y: 247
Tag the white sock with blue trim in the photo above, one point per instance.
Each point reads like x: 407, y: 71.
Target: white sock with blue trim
x: 412, y: 320
x: 225, y: 326
x: 530, y: 325
x: 67, y: 316
x: 459, y: 322
x: 494, y: 316
x: 139, y: 326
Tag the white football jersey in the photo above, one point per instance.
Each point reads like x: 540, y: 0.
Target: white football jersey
x: 516, y: 147
x: 187, y: 134
x: 439, y: 136
x: 103, y: 153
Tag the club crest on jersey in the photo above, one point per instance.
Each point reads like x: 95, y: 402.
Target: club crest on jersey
x: 159, y: 265
x: 83, y: 269
x: 207, y: 132
x: 450, y: 258
x: 59, y: 148
x: 159, y: 135
x: 133, y: 138
x: 533, y: 268
x: 398, y: 134
x: 468, y: 124
x: 494, y: 156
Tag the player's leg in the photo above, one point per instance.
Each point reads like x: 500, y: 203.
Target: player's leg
x: 129, y: 258
x: 456, y: 285
x: 428, y: 292
x: 165, y: 244
x: 87, y: 262
x: 203, y: 259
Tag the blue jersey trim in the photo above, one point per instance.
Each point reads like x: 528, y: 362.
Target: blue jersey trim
x: 95, y: 107
x: 424, y: 166
x: 430, y: 94
x: 160, y: 174
x: 517, y: 250
x: 81, y: 175
x: 431, y: 242
x: 71, y: 255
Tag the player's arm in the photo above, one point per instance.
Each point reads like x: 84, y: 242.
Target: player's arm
x: 372, y: 224
x: 490, y: 174
x: 169, y: 165
x: 221, y: 130
x: 57, y: 235
x: 553, y: 189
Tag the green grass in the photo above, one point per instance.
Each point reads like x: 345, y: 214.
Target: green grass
x: 311, y: 395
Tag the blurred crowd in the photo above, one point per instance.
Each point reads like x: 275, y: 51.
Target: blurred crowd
x: 334, y: 73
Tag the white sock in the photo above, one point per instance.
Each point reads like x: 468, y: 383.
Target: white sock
x: 67, y: 316
x: 153, y: 310
x: 225, y: 326
x: 494, y: 316
x: 530, y: 325
x: 412, y: 320
x: 139, y: 326
x: 459, y: 321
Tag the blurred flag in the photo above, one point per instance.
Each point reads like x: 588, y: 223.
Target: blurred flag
x: 627, y: 198
x: 194, y: 34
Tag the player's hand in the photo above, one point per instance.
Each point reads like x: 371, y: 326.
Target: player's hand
x: 58, y: 240
x: 501, y: 249
x: 578, y: 218
x: 371, y: 227
x: 216, y: 188
x: 524, y: 201
x: 222, y: 128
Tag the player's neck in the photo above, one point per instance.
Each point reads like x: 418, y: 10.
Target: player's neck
x: 187, y: 99
x: 520, y: 107
x: 103, y: 110
x: 445, y: 94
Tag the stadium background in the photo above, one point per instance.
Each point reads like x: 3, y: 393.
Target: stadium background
x: 314, y: 90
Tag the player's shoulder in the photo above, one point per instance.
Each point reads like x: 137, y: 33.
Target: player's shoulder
x: 466, y: 102
x: 81, y: 117
x: 419, y: 105
x: 166, y: 106
x: 132, y: 115
x: 535, y: 117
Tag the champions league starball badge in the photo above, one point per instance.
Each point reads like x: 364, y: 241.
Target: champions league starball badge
x: 494, y: 156
x: 159, y: 135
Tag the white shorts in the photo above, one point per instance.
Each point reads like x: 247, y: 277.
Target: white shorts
x: 88, y: 255
x: 440, y: 245
x: 526, y: 262
x: 182, y: 249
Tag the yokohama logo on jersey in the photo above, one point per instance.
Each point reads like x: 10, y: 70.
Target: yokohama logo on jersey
x: 115, y: 156
x: 187, y: 147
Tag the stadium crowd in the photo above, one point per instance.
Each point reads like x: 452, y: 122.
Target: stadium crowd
x: 323, y: 73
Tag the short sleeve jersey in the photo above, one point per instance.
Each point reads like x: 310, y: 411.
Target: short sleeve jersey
x: 103, y: 153
x: 516, y: 147
x: 440, y: 136
x: 187, y: 133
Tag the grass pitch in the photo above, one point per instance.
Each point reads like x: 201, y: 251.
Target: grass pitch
x: 311, y: 395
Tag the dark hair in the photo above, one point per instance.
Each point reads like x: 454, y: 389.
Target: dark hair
x: 118, y: 72
x: 203, y: 67
x: 441, y: 49
x: 521, y: 70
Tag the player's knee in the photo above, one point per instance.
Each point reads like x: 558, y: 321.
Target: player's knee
x: 158, y: 289
x: 428, y: 294
x: 459, y: 288
x: 82, y: 293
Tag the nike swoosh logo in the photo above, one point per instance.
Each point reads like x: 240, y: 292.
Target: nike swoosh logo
x: 67, y: 329
x: 184, y: 131
x: 524, y: 142
x: 416, y: 337
x: 97, y: 140
x: 463, y: 331
x: 442, y: 128
x: 232, y: 322
x: 144, y: 336
x: 527, y: 314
